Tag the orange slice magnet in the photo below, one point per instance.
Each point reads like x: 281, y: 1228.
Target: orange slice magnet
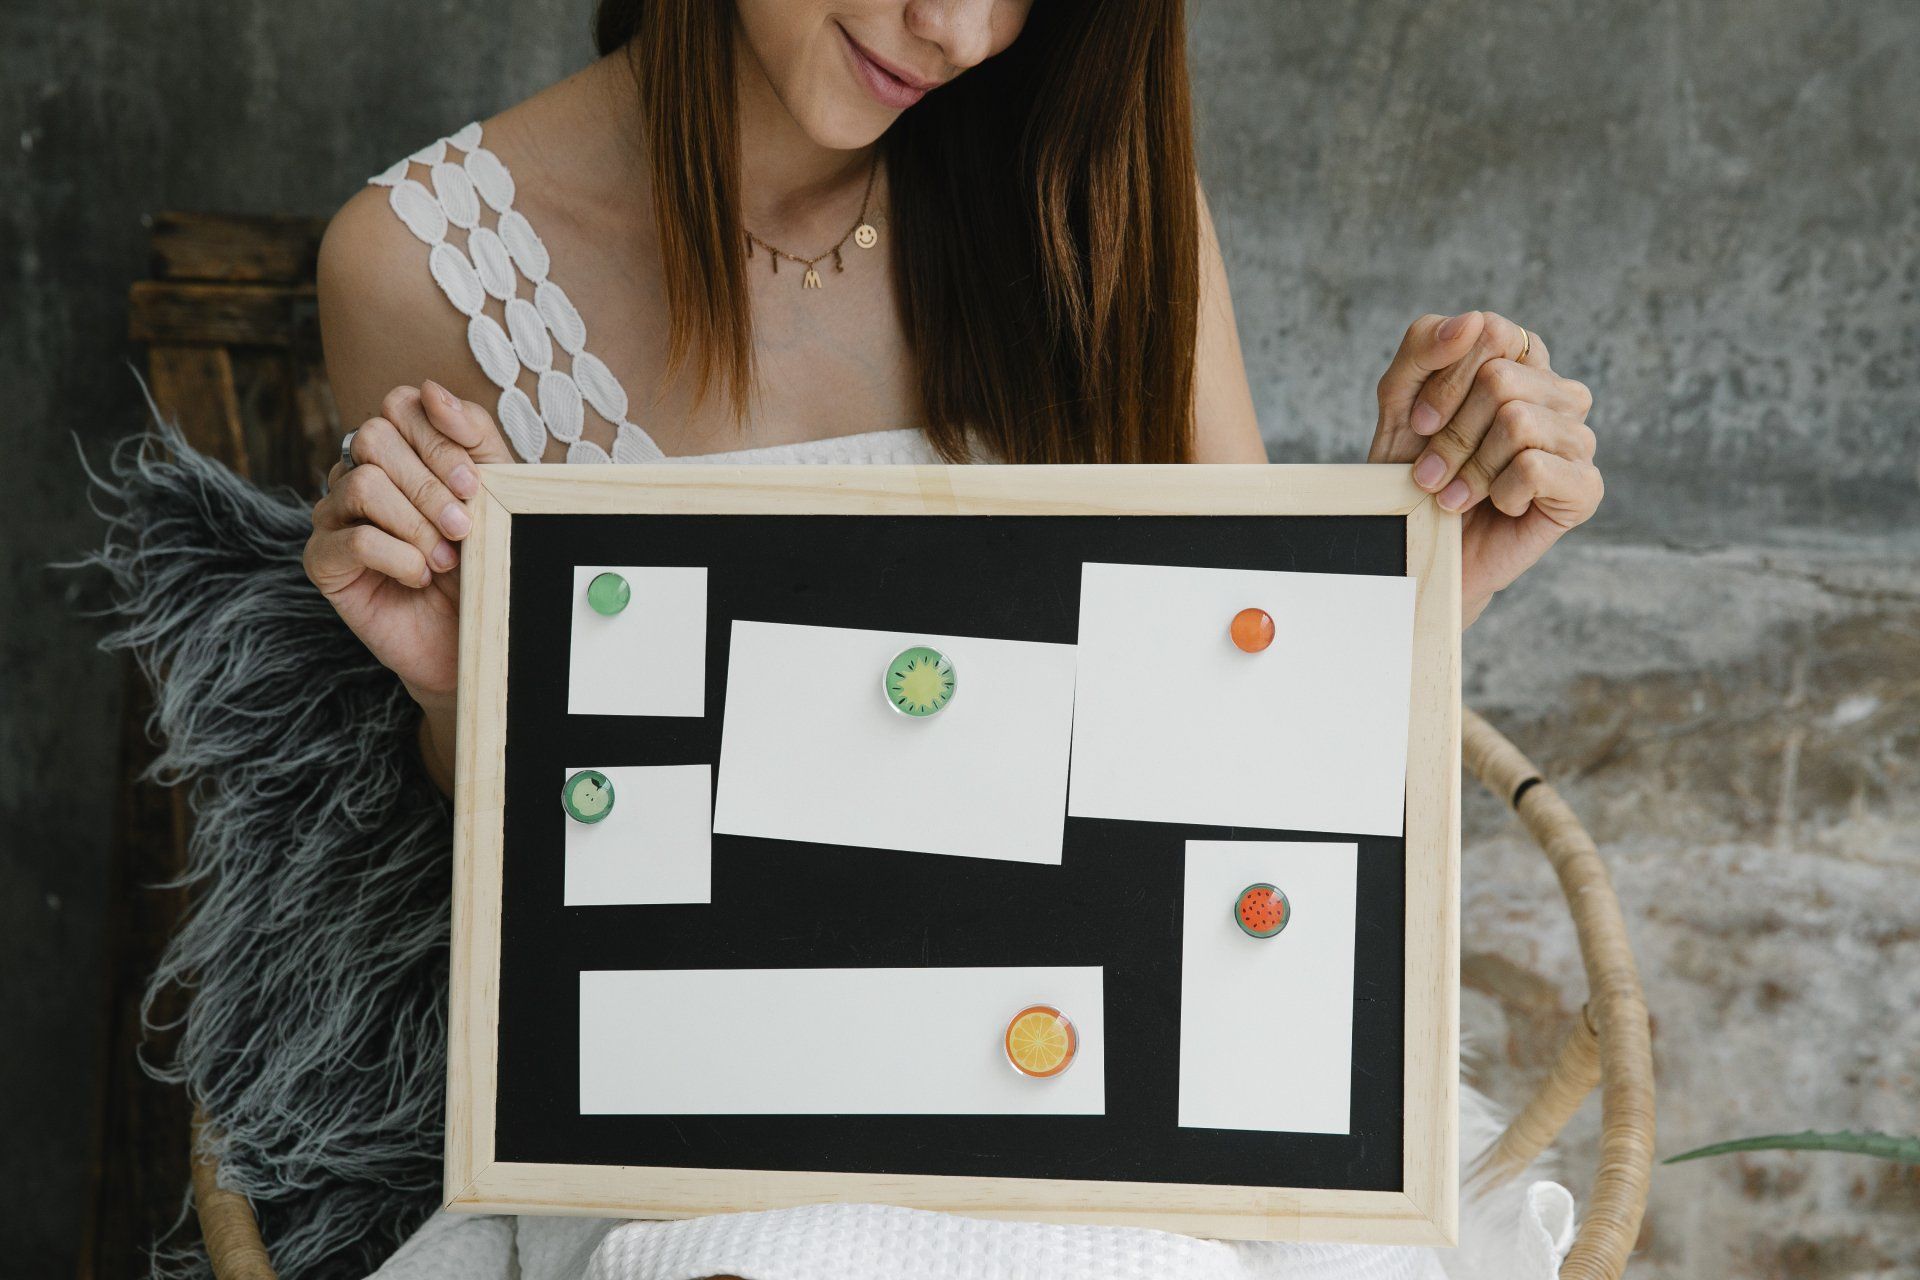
x: 1041, y: 1041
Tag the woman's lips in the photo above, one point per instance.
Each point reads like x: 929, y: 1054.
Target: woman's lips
x: 888, y: 88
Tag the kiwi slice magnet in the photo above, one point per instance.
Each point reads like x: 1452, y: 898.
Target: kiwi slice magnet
x: 919, y: 681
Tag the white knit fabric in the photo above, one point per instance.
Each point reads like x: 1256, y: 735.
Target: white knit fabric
x: 879, y: 1242
x: 1519, y: 1233
x: 903, y: 445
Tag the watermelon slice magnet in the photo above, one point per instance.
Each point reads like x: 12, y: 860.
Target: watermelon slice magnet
x: 1261, y: 911
x: 919, y: 681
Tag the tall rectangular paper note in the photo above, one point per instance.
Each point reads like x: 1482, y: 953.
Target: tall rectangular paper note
x: 1266, y: 1024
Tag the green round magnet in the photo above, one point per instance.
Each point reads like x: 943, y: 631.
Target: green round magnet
x: 919, y: 681
x: 608, y: 593
x: 588, y: 796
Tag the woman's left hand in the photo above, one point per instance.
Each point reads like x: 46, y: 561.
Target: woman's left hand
x: 1491, y: 430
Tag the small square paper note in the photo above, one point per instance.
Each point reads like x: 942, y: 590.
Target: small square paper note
x: 655, y: 846
x: 649, y: 659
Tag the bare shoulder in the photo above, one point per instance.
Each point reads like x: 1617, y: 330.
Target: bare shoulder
x: 383, y: 321
x: 371, y: 264
x: 1225, y: 428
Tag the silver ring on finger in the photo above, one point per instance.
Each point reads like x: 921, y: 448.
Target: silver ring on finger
x: 347, y: 462
x: 346, y: 449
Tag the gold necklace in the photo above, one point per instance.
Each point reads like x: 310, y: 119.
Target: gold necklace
x: 861, y: 233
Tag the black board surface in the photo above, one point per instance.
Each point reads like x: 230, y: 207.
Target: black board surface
x: 1114, y: 901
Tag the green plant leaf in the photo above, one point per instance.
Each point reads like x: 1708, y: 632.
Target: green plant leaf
x: 1885, y: 1146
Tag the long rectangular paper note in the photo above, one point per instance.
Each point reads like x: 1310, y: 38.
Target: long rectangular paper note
x: 1266, y: 1024
x: 1174, y: 723
x: 830, y: 1042
x: 810, y: 750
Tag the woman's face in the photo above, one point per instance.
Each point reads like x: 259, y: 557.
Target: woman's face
x: 846, y: 69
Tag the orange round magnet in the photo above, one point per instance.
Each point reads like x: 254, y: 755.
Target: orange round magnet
x: 1252, y: 629
x: 1041, y: 1042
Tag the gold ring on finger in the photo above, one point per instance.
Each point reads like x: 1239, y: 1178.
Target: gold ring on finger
x: 1526, y: 343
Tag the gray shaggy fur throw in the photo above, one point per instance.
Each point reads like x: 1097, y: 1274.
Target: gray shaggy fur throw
x: 314, y: 958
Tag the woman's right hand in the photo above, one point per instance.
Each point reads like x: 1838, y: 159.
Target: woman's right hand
x: 385, y: 543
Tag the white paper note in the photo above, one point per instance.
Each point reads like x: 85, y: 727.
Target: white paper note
x: 650, y: 659
x: 1266, y: 1024
x: 830, y: 1042
x: 1174, y: 723
x: 656, y: 845
x: 810, y: 749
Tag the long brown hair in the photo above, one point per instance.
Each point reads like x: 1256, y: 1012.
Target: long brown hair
x: 1044, y: 216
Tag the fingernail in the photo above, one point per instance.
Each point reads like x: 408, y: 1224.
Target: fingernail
x: 440, y: 394
x: 443, y: 556
x: 1425, y: 420
x: 453, y: 520
x: 1453, y: 497
x: 1450, y: 327
x: 463, y: 481
x: 1427, y: 471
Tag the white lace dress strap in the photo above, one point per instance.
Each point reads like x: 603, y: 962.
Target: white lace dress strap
x: 456, y: 196
x: 896, y: 445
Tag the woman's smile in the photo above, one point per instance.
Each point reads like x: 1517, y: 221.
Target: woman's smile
x: 890, y: 86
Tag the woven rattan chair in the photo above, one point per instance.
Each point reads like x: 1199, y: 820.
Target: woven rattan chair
x: 233, y: 355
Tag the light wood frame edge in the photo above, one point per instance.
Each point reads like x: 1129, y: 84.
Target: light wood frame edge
x: 1425, y: 1211
x: 479, y: 807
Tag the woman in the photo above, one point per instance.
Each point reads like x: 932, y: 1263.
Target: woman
x: 875, y: 230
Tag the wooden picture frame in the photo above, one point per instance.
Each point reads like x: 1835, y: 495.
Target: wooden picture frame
x: 1423, y: 1212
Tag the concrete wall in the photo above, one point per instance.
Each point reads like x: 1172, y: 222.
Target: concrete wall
x: 1708, y: 210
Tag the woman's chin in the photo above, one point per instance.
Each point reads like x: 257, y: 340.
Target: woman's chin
x: 848, y: 125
